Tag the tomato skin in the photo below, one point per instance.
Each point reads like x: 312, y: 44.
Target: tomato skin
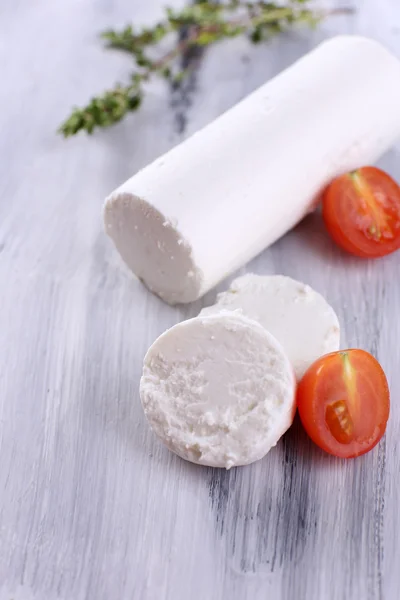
x: 344, y: 402
x: 361, y: 211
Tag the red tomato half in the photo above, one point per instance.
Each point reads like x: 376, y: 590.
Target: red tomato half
x: 343, y: 402
x: 361, y: 211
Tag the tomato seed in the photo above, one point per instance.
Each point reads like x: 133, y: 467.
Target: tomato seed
x: 339, y: 421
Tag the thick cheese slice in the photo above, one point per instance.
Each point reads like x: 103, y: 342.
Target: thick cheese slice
x: 218, y: 390
x: 296, y: 315
x: 215, y: 201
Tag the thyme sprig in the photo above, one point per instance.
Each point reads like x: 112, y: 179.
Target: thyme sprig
x: 205, y: 23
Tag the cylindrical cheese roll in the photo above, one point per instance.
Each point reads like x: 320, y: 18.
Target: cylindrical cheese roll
x: 215, y: 201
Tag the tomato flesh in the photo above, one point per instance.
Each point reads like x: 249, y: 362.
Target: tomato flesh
x: 343, y: 401
x: 361, y: 211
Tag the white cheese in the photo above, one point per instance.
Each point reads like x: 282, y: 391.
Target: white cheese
x: 218, y: 390
x: 215, y: 201
x: 296, y: 315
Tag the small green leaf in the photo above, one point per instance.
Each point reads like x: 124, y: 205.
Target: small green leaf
x: 180, y: 76
x: 256, y: 35
x: 206, y: 38
x: 166, y: 72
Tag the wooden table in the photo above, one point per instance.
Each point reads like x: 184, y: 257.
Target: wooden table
x: 92, y: 507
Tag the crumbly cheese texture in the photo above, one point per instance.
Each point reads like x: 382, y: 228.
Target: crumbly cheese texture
x: 298, y: 316
x: 218, y: 390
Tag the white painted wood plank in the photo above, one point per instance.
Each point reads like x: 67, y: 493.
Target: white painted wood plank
x: 92, y: 507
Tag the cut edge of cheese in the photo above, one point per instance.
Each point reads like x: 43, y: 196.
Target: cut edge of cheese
x: 158, y: 255
x: 218, y: 390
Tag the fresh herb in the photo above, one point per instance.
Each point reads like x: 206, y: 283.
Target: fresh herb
x: 204, y: 24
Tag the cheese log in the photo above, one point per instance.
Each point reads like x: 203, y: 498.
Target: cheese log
x: 218, y: 390
x: 296, y: 315
x: 212, y: 203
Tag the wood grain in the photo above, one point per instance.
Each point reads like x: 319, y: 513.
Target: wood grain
x: 92, y: 507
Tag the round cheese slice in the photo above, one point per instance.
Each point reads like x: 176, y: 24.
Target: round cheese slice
x: 298, y: 316
x: 218, y: 390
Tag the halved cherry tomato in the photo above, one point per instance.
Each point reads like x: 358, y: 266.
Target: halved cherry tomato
x: 361, y: 211
x: 343, y: 402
